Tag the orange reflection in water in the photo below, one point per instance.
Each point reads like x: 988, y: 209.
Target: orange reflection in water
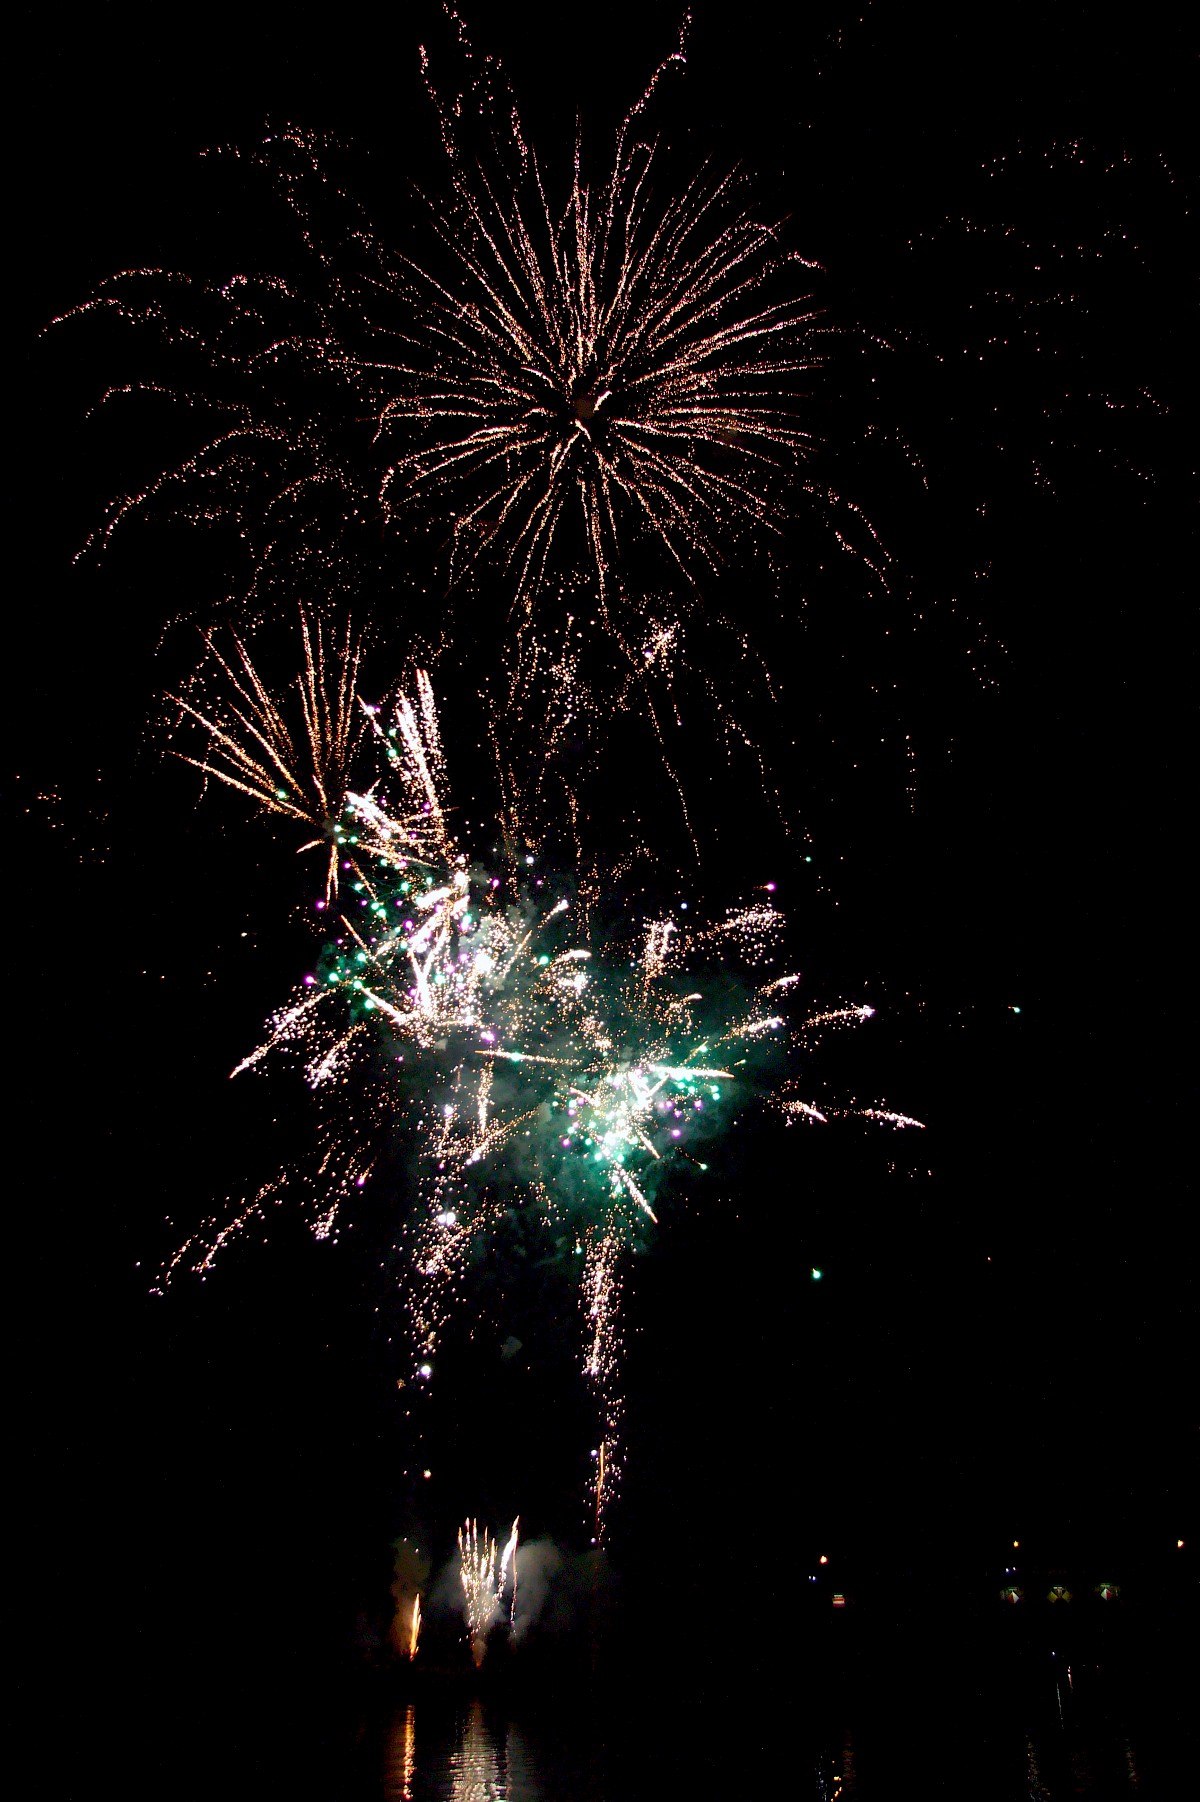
x: 400, y: 1758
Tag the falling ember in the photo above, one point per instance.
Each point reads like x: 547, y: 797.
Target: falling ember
x: 415, y: 1629
x: 600, y: 1487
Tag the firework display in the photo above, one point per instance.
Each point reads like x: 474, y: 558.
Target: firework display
x: 593, y: 764
x: 565, y: 400
x: 531, y: 1048
x: 616, y: 355
x: 620, y: 352
x: 576, y: 382
x: 485, y: 1573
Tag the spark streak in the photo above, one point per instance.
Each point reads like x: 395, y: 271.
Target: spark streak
x: 254, y: 748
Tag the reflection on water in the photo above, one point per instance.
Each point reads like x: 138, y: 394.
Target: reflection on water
x: 475, y: 1768
x: 399, y: 1757
x: 1044, y: 1735
x: 463, y: 1756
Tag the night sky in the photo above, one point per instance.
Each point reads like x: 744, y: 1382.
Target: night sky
x: 982, y: 776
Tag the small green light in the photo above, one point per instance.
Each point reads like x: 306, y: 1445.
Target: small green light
x: 817, y: 1274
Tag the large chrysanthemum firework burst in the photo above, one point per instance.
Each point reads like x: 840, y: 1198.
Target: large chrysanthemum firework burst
x: 631, y: 360
x: 622, y: 355
x: 575, y: 394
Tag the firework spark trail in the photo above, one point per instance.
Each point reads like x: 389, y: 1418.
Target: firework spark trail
x: 508, y: 1562
x: 601, y: 1298
x: 484, y: 1576
x: 270, y: 457
x: 252, y: 746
